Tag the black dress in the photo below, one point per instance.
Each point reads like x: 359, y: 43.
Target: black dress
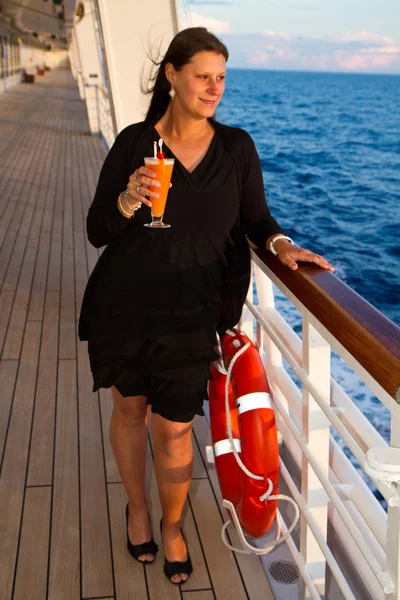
x: 159, y: 297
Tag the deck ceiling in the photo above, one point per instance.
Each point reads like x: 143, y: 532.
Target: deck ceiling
x: 41, y: 16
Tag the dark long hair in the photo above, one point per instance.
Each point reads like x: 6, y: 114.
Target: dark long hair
x: 181, y: 50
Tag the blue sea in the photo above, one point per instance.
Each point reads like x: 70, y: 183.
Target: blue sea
x: 329, y: 146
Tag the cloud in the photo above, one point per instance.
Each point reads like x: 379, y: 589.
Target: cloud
x: 382, y: 50
x: 365, y: 37
x: 282, y: 35
x: 361, y: 51
x: 270, y: 53
x: 214, y: 25
x: 365, y: 50
x: 368, y: 58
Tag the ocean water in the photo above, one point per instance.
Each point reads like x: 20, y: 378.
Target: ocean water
x: 329, y: 146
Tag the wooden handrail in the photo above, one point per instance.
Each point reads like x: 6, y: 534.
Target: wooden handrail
x: 366, y: 333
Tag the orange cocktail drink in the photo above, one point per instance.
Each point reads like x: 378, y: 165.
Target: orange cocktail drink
x: 163, y: 168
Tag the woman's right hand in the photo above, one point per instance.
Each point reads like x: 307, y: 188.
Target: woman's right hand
x: 138, y: 185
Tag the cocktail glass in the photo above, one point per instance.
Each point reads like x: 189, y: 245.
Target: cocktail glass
x: 163, y: 168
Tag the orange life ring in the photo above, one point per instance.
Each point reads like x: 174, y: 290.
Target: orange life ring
x: 254, y: 432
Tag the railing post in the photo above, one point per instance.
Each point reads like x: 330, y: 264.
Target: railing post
x: 246, y: 323
x: 393, y: 522
x: 98, y: 109
x: 315, y: 431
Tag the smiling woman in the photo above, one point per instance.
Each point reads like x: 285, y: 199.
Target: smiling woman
x: 196, y: 54
x: 157, y: 297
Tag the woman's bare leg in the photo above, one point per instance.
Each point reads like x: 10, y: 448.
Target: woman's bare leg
x: 128, y: 436
x: 173, y: 461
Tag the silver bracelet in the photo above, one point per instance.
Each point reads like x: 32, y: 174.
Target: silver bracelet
x: 126, y: 195
x: 280, y: 236
x: 126, y: 214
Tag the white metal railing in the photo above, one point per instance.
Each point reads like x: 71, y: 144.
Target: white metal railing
x: 99, y: 112
x: 332, y: 493
x: 104, y: 115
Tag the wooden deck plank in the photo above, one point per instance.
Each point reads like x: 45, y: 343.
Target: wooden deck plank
x: 199, y: 470
x: 68, y: 237
x: 198, y: 595
x: 54, y: 274
x: 64, y: 576
x: 200, y: 578
x: 13, y: 473
x: 38, y: 291
x: 225, y: 576
x: 16, y: 326
x: 8, y: 374
x: 67, y: 312
x: 40, y: 471
x: 106, y: 406
x: 87, y: 189
x: 81, y: 274
x: 31, y: 575
x: 97, y: 577
x: 6, y: 251
x: 6, y: 306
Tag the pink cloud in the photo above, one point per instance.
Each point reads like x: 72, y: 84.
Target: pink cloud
x: 364, y: 36
x: 362, y: 61
x: 382, y: 50
x: 281, y: 35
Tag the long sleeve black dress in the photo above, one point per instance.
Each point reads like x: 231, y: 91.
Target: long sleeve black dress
x: 156, y: 298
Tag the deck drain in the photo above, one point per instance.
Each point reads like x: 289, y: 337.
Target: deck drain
x: 284, y: 571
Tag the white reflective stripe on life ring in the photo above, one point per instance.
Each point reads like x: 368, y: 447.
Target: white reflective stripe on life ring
x: 253, y: 401
x: 220, y: 367
x: 224, y: 446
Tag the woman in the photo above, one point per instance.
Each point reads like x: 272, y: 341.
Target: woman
x: 156, y: 298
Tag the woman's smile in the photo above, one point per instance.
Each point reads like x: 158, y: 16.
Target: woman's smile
x: 208, y: 102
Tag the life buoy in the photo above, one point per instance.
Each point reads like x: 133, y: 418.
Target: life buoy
x: 254, y: 433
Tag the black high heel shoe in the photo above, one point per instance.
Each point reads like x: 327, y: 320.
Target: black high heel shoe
x: 176, y: 567
x: 136, y: 550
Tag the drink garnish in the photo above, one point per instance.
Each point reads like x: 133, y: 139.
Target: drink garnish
x: 160, y: 154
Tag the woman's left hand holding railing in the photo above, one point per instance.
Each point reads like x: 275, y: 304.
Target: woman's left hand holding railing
x: 289, y: 254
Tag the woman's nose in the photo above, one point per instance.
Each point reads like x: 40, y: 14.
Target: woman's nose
x: 213, y: 87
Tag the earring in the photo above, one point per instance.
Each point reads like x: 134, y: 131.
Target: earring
x: 172, y: 93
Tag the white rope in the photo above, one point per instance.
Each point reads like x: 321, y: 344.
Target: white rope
x: 264, y: 497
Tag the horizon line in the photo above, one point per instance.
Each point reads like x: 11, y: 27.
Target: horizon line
x: 327, y: 72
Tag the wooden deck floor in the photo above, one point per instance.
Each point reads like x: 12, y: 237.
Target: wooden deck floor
x: 62, y: 503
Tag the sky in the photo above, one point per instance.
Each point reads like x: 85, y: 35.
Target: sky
x: 356, y: 36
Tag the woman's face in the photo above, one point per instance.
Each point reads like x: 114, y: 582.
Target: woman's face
x: 200, y: 84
